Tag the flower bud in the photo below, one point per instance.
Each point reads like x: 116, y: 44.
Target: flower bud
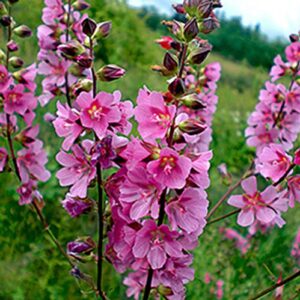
x: 179, y: 8
x: 169, y: 62
x: 176, y: 87
x: 5, y: 20
x: 82, y: 246
x: 294, y: 38
x: 23, y: 31
x: 83, y: 85
x: 192, y: 126
x: 162, y: 70
x: 89, y: 26
x: 13, y: 1
x: 80, y: 5
x: 165, y: 42
x: 84, y: 61
x: 210, y: 24
x: 3, y: 10
x: 204, y: 9
x: 16, y: 62
x: 217, y: 4
x: 164, y: 291
x: 71, y: 49
x: 110, y: 73
x: 12, y: 46
x: 2, y: 55
x: 193, y: 102
x: 191, y: 30
x: 199, y: 55
x: 103, y: 30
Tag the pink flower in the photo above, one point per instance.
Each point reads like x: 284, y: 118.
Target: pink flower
x: 273, y: 162
x: 188, y: 212
x: 292, y: 52
x: 143, y: 192
x: 153, y: 116
x: 279, y: 69
x: 67, y: 125
x: 3, y: 158
x: 31, y: 163
x: 255, y: 205
x: 28, y: 193
x: 175, y: 274
x: 76, y: 206
x: 98, y: 113
x: 5, y: 79
x: 200, y: 166
x: 54, y: 70
x: 77, y: 170
x: 207, y: 278
x: 54, y: 9
x: 27, y: 77
x: 16, y: 100
x: 294, y: 189
x: 156, y: 242
x: 170, y: 169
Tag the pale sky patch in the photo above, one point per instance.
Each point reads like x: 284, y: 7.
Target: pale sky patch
x: 276, y: 17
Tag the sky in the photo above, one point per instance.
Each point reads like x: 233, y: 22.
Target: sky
x: 276, y: 17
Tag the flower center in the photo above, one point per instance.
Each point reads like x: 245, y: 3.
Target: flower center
x: 162, y: 119
x: 168, y: 163
x: 13, y: 98
x: 95, y: 112
x: 254, y: 200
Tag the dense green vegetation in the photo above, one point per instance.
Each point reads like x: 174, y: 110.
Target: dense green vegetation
x: 31, y: 268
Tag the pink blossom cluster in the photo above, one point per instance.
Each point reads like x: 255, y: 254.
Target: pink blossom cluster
x: 205, y: 87
x: 273, y: 129
x: 16, y: 121
x: 157, y: 197
x: 60, y: 23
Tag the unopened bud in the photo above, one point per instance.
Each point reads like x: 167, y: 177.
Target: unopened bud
x: 80, y: 5
x: 23, y: 31
x: 176, y: 87
x: 12, y: 46
x: 193, y: 102
x: 199, y: 55
x: 191, y: 30
x: 89, y: 26
x: 3, y: 10
x: 71, y: 49
x: 204, y: 9
x: 5, y: 20
x: 217, y: 4
x: 178, y: 29
x: 169, y: 62
x: 179, y: 8
x: 294, y: 38
x: 165, y: 42
x: 84, y: 61
x: 16, y: 62
x: 208, y: 25
x: 192, y: 126
x: 103, y: 30
x: 83, y: 85
x: 165, y: 291
x: 110, y: 73
x: 2, y: 55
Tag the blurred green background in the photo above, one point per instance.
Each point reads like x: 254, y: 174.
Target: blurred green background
x: 30, y: 266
